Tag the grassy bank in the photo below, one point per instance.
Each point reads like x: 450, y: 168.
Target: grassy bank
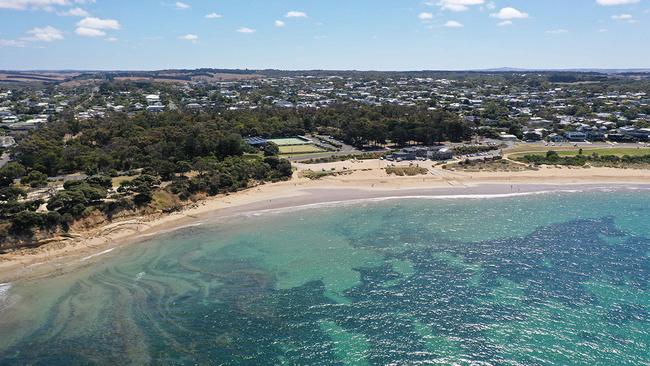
x: 572, y: 152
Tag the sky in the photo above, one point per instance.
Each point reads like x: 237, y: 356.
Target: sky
x: 318, y: 34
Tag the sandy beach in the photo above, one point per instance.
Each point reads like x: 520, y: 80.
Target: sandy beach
x: 353, y: 180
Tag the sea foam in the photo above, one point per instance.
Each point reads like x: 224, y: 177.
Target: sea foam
x: 5, y: 299
x: 96, y: 254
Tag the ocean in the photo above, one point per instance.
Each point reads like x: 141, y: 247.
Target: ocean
x: 541, y: 279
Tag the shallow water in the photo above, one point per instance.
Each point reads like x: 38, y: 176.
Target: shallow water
x: 550, y: 279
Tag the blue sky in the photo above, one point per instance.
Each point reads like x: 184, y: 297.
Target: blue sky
x: 318, y: 34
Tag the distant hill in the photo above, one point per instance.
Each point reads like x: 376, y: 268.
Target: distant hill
x: 74, y: 78
x: 585, y: 70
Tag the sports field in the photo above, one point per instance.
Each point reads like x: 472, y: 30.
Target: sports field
x: 291, y: 141
x: 301, y: 149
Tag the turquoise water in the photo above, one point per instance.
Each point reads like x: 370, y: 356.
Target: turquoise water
x: 552, y: 279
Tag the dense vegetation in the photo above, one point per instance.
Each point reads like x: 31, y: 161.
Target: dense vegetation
x: 169, y: 143
x: 192, y: 154
x: 474, y: 149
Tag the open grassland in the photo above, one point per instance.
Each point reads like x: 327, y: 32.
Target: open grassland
x: 573, y: 151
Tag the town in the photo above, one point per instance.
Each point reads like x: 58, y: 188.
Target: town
x: 506, y: 106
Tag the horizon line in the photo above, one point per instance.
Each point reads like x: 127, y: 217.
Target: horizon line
x: 489, y: 69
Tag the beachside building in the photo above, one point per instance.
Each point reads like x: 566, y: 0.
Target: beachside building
x: 422, y: 153
x: 596, y: 135
x: 533, y: 136
x: 440, y: 154
x: 575, y: 136
x: 508, y: 137
x: 635, y: 133
x: 256, y: 141
x: 554, y: 137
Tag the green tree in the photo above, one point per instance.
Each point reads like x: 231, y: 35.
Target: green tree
x: 271, y: 149
x: 142, y: 187
x: 35, y: 179
x: 10, y: 172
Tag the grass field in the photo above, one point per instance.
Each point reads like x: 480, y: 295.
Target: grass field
x: 289, y: 141
x: 302, y: 149
x: 587, y: 151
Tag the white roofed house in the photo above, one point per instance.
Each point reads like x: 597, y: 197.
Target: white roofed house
x: 193, y: 106
x: 283, y: 104
x: 156, y: 108
x: 5, y: 114
x: 534, y: 135
x: 27, y: 125
x: 508, y: 137
x: 7, y: 141
x: 152, y: 98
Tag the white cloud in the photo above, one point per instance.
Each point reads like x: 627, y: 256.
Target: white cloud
x: 557, y: 31
x: 96, y: 27
x: 31, y: 4
x: 296, y: 14
x: 627, y: 17
x: 425, y: 16
x: 616, y: 2
x: 48, y: 5
x: 190, y: 37
x: 213, y: 16
x: 98, y: 23
x: 181, y: 5
x: 75, y: 12
x: 246, y: 30
x: 509, y: 13
x: 279, y: 23
x: 505, y: 23
x: 458, y: 5
x: 89, y: 32
x: 45, y: 34
x: 453, y: 24
x: 11, y: 43
x: 111, y: 39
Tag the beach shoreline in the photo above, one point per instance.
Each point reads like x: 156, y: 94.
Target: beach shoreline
x: 363, y: 181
